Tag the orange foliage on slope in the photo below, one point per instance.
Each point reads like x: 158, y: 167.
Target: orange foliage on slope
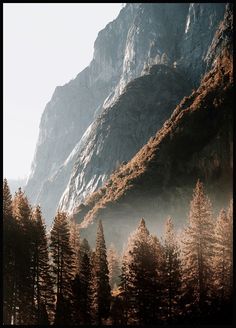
x: 127, y: 176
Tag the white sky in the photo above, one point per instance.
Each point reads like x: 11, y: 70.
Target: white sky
x: 45, y: 45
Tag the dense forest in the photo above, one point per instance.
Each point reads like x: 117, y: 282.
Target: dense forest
x: 55, y: 277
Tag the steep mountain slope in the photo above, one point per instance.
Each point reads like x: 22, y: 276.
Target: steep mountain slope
x: 92, y: 168
x: 122, y: 129
x: 196, y: 142
x: 142, y: 35
x: 72, y: 109
x: 201, y: 25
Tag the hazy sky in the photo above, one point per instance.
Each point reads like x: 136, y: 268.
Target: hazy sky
x: 45, y: 45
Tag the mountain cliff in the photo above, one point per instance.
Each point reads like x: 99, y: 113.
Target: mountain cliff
x: 176, y: 35
x: 122, y: 129
x: 195, y: 142
x: 70, y: 111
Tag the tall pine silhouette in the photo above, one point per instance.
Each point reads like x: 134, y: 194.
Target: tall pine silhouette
x: 25, y: 310
x: 9, y: 240
x: 139, y: 277
x: 63, y: 267
x: 223, y: 259
x: 113, y: 266
x: 198, y: 247
x: 171, y: 271
x: 82, y: 287
x: 43, y: 281
x: 101, y: 287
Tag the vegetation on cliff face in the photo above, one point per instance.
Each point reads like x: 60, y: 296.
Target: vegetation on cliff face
x: 123, y: 128
x: 169, y: 156
x: 186, y: 276
x: 144, y: 34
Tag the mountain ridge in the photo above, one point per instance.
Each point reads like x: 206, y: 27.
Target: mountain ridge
x: 196, y: 142
x: 141, y: 36
x: 136, y: 182
x: 124, y: 128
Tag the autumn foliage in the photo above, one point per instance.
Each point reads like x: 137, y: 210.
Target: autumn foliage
x: 55, y: 277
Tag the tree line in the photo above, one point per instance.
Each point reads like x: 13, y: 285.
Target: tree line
x: 56, y: 278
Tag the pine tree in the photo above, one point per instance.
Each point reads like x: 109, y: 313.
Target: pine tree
x: 25, y: 311
x: 84, y: 248
x: 43, y: 318
x: 86, y: 289
x: 9, y: 234
x: 124, y: 287
x: 230, y: 220
x: 171, y: 274
x: 117, y: 311
x: 63, y: 313
x: 113, y: 267
x: 7, y: 201
x: 101, y: 287
x: 139, y: 276
x: 43, y: 281
x: 63, y: 267
x: 197, y: 252
x: 75, y: 243
x: 223, y: 259
x: 157, y: 287
x: 82, y: 287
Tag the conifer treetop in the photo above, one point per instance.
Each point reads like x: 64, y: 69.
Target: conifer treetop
x: 7, y: 199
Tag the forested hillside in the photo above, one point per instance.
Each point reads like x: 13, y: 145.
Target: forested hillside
x: 56, y: 278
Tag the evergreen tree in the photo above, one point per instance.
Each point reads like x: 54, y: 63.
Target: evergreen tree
x: 85, y: 276
x: 43, y: 318
x: 157, y: 287
x: 117, y: 310
x: 197, y: 256
x: 75, y: 243
x: 223, y: 259
x: 82, y: 287
x: 113, y: 267
x: 139, y: 276
x: 124, y: 287
x: 9, y: 234
x: 7, y: 201
x: 171, y: 274
x: 101, y: 287
x: 84, y: 249
x: 43, y: 281
x: 63, y: 313
x: 25, y: 311
x: 76, y: 298
x: 230, y: 230
x: 63, y: 267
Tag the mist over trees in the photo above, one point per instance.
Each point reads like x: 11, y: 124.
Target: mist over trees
x: 56, y: 278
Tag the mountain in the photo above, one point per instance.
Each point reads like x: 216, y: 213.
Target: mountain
x: 122, y: 129
x: 176, y: 35
x: 195, y: 142
x: 103, y: 150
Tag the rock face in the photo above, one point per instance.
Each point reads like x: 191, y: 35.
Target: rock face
x: 122, y: 129
x: 142, y: 35
x: 201, y: 24
x: 196, y: 142
x: 71, y: 110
